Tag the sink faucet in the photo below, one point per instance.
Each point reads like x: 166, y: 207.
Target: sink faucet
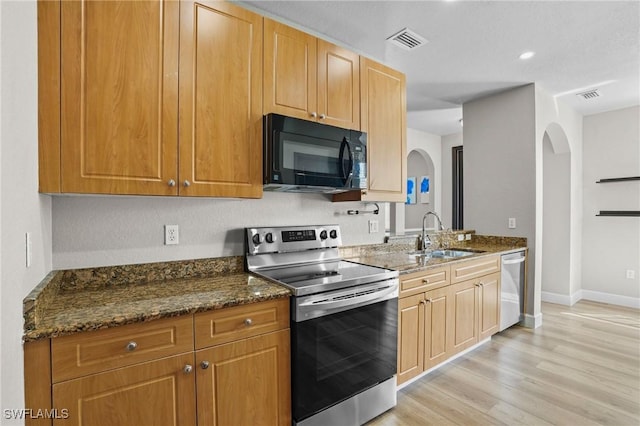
x: 426, y: 241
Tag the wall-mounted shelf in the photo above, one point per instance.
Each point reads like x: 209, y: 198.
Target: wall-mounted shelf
x: 620, y: 179
x: 627, y: 213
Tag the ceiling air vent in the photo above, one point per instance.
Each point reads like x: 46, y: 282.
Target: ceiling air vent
x: 407, y: 39
x: 589, y: 94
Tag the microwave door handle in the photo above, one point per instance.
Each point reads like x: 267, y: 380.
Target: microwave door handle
x: 347, y: 181
x: 343, y: 173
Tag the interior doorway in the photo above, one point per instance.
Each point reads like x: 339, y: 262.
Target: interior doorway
x: 556, y: 216
x: 457, y: 207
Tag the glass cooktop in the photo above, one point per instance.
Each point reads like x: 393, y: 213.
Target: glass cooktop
x: 325, y: 276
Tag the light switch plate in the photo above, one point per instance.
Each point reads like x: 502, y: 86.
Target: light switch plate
x: 373, y: 226
x: 512, y: 223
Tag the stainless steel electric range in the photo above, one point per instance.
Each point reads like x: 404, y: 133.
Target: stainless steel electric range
x: 344, y: 320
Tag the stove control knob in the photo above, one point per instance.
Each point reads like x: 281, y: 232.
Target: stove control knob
x: 256, y: 239
x: 334, y: 234
x: 323, y: 235
x: 269, y: 238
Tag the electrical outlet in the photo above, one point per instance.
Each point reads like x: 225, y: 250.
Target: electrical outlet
x: 467, y: 237
x: 28, y: 249
x: 170, y: 234
x: 631, y: 274
x: 373, y: 226
x: 460, y: 237
x: 512, y: 223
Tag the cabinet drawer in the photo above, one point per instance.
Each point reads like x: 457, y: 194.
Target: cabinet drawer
x: 239, y: 322
x: 95, y: 351
x: 474, y: 268
x: 423, y: 281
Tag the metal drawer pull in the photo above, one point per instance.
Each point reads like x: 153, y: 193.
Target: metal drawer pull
x: 248, y: 322
x: 323, y: 116
x: 171, y: 182
x: 425, y: 280
x: 204, y: 365
x: 188, y: 368
x: 131, y: 346
x: 186, y: 183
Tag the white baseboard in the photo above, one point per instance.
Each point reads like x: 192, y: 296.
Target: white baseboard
x: 532, y: 321
x: 561, y: 299
x: 456, y: 356
x: 594, y: 296
x: 611, y: 299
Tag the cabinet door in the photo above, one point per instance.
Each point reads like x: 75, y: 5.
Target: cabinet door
x: 153, y: 393
x: 489, y: 301
x: 410, y: 337
x: 290, y: 64
x: 245, y: 382
x: 338, y: 86
x: 119, y: 96
x: 220, y: 100
x: 383, y: 105
x: 435, y: 326
x: 463, y: 316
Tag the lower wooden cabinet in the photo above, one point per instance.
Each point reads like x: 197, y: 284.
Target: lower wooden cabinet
x: 159, y: 392
x: 245, y: 382
x: 152, y: 373
x: 438, y: 323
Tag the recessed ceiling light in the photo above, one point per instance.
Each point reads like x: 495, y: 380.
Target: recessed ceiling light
x: 527, y: 55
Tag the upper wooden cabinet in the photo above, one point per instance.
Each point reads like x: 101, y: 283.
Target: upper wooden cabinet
x: 125, y: 66
x: 119, y: 97
x: 220, y: 100
x: 384, y: 119
x: 309, y: 78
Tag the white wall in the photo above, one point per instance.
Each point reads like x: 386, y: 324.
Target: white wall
x: 448, y: 142
x: 611, y: 245
x: 22, y: 209
x: 109, y: 230
x: 500, y: 170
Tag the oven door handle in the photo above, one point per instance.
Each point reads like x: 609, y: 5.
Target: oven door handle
x: 317, y: 307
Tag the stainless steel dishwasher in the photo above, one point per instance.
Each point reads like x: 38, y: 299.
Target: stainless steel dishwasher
x: 512, y: 293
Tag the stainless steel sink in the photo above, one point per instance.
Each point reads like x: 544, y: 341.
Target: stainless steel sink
x: 444, y: 253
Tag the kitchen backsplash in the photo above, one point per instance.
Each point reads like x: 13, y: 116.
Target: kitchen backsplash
x: 92, y: 231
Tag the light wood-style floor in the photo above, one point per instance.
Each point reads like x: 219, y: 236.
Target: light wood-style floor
x: 582, y: 367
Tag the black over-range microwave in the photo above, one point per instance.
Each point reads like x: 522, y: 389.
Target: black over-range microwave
x: 303, y: 156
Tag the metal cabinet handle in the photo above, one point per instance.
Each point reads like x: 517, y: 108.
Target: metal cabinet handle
x: 248, y: 322
x: 131, y: 346
x: 188, y: 368
x: 323, y: 116
x: 425, y: 280
x: 186, y: 184
x: 314, y: 114
x: 171, y: 182
x: 204, y: 365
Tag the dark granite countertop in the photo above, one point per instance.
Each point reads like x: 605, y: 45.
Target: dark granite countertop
x: 395, y: 255
x: 71, y: 301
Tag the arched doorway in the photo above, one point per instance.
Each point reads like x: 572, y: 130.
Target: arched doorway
x: 420, y: 165
x: 556, y: 216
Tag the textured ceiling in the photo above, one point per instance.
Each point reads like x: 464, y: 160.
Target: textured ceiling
x: 474, y: 46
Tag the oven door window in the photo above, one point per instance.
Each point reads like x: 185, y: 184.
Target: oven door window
x: 311, y: 161
x: 337, y: 356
